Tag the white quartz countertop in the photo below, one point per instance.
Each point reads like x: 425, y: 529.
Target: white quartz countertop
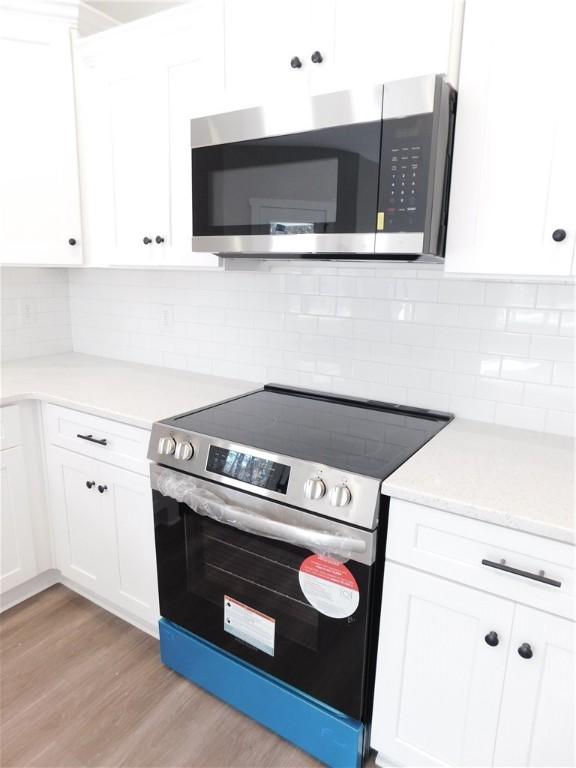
x: 129, y: 392
x: 512, y: 477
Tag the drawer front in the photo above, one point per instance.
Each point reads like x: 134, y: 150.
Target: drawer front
x: 10, y: 431
x: 454, y: 546
x: 103, y: 439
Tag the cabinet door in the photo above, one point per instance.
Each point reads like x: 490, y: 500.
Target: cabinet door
x: 538, y: 712
x: 261, y: 39
x: 438, y: 682
x: 377, y: 41
x: 513, y: 169
x: 128, y: 503
x: 18, y: 563
x: 39, y: 188
x: 83, y: 523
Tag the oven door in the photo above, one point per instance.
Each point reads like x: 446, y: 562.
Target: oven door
x: 295, y: 177
x: 280, y: 588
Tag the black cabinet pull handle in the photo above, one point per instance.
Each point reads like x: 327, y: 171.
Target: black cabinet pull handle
x: 102, y: 488
x: 525, y: 651
x: 492, y: 639
x: 90, y: 483
x: 159, y: 239
x: 317, y: 57
x: 146, y: 240
x: 501, y: 566
x: 72, y: 241
x: 91, y: 439
x: 558, y: 235
x: 295, y: 63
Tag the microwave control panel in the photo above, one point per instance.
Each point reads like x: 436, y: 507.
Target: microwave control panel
x: 404, y: 170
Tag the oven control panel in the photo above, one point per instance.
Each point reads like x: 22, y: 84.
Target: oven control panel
x: 315, y: 487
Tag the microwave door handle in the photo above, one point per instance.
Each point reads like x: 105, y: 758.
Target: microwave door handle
x: 207, y: 504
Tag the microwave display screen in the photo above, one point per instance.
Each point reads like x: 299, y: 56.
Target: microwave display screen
x: 253, y: 470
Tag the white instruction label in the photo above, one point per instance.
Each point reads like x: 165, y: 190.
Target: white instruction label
x: 249, y: 625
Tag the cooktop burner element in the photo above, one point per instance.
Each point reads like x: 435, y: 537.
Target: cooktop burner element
x: 324, y: 453
x: 367, y: 438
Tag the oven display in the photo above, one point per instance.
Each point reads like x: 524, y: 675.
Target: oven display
x: 248, y: 469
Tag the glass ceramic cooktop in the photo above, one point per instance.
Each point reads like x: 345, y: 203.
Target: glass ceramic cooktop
x: 373, y: 440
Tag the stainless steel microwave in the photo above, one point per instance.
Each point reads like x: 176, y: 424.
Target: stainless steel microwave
x: 361, y: 173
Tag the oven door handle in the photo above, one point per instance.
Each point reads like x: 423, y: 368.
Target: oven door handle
x: 208, y: 504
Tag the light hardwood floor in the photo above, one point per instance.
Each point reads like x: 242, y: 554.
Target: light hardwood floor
x: 80, y: 687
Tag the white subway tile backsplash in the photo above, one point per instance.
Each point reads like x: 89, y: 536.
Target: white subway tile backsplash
x: 526, y: 369
x: 520, y: 416
x: 556, y: 296
x: 533, y: 321
x: 493, y: 350
x: 560, y: 423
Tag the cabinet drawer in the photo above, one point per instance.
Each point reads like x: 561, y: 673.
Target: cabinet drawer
x: 111, y: 441
x: 454, y: 547
x: 10, y: 432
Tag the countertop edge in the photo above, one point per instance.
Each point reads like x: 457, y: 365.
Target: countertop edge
x: 483, y: 514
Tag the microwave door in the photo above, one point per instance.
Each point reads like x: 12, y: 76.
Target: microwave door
x: 307, y: 184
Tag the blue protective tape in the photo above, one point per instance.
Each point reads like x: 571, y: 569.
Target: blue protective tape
x: 332, y: 737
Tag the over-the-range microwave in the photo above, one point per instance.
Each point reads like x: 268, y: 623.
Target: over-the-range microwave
x: 355, y: 174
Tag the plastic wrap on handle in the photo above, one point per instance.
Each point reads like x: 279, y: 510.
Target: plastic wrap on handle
x: 205, y: 502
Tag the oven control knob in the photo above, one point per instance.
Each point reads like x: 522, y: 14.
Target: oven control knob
x: 340, y: 496
x: 184, y: 451
x: 166, y: 446
x: 314, y: 488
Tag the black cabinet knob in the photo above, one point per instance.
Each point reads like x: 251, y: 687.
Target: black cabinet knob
x: 525, y: 651
x: 558, y: 235
x: 317, y: 57
x: 159, y: 239
x: 492, y: 638
x: 102, y: 488
x: 90, y: 483
x: 72, y: 241
x: 295, y: 63
x: 146, y: 240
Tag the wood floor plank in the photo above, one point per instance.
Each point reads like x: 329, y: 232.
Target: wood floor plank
x: 80, y: 688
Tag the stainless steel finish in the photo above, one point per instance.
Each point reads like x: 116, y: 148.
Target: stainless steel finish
x: 399, y: 242
x: 321, y: 243
x: 362, y: 511
x: 166, y: 446
x: 184, y: 451
x: 314, y: 488
x: 303, y: 526
x: 293, y: 115
x: 340, y: 496
x: 413, y: 96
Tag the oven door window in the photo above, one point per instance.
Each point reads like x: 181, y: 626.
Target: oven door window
x: 316, y: 182
x: 202, y: 562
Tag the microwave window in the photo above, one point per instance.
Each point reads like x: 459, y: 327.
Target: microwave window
x: 293, y: 196
x: 322, y: 181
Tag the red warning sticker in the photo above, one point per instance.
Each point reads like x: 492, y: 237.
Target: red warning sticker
x: 329, y: 586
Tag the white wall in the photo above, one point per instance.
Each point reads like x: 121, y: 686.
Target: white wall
x: 494, y: 351
x: 35, y: 312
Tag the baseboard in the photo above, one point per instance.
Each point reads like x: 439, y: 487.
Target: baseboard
x: 30, y: 588
x: 48, y: 578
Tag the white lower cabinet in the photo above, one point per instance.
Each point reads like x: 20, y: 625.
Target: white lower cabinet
x: 18, y: 563
x: 104, y: 531
x: 439, y: 683
x: 538, y: 714
x: 465, y: 677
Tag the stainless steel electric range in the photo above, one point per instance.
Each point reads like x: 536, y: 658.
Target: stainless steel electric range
x: 270, y: 536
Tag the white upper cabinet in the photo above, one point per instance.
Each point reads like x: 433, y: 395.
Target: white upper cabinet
x: 276, y: 48
x: 513, y: 193
x: 39, y: 188
x: 134, y: 132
